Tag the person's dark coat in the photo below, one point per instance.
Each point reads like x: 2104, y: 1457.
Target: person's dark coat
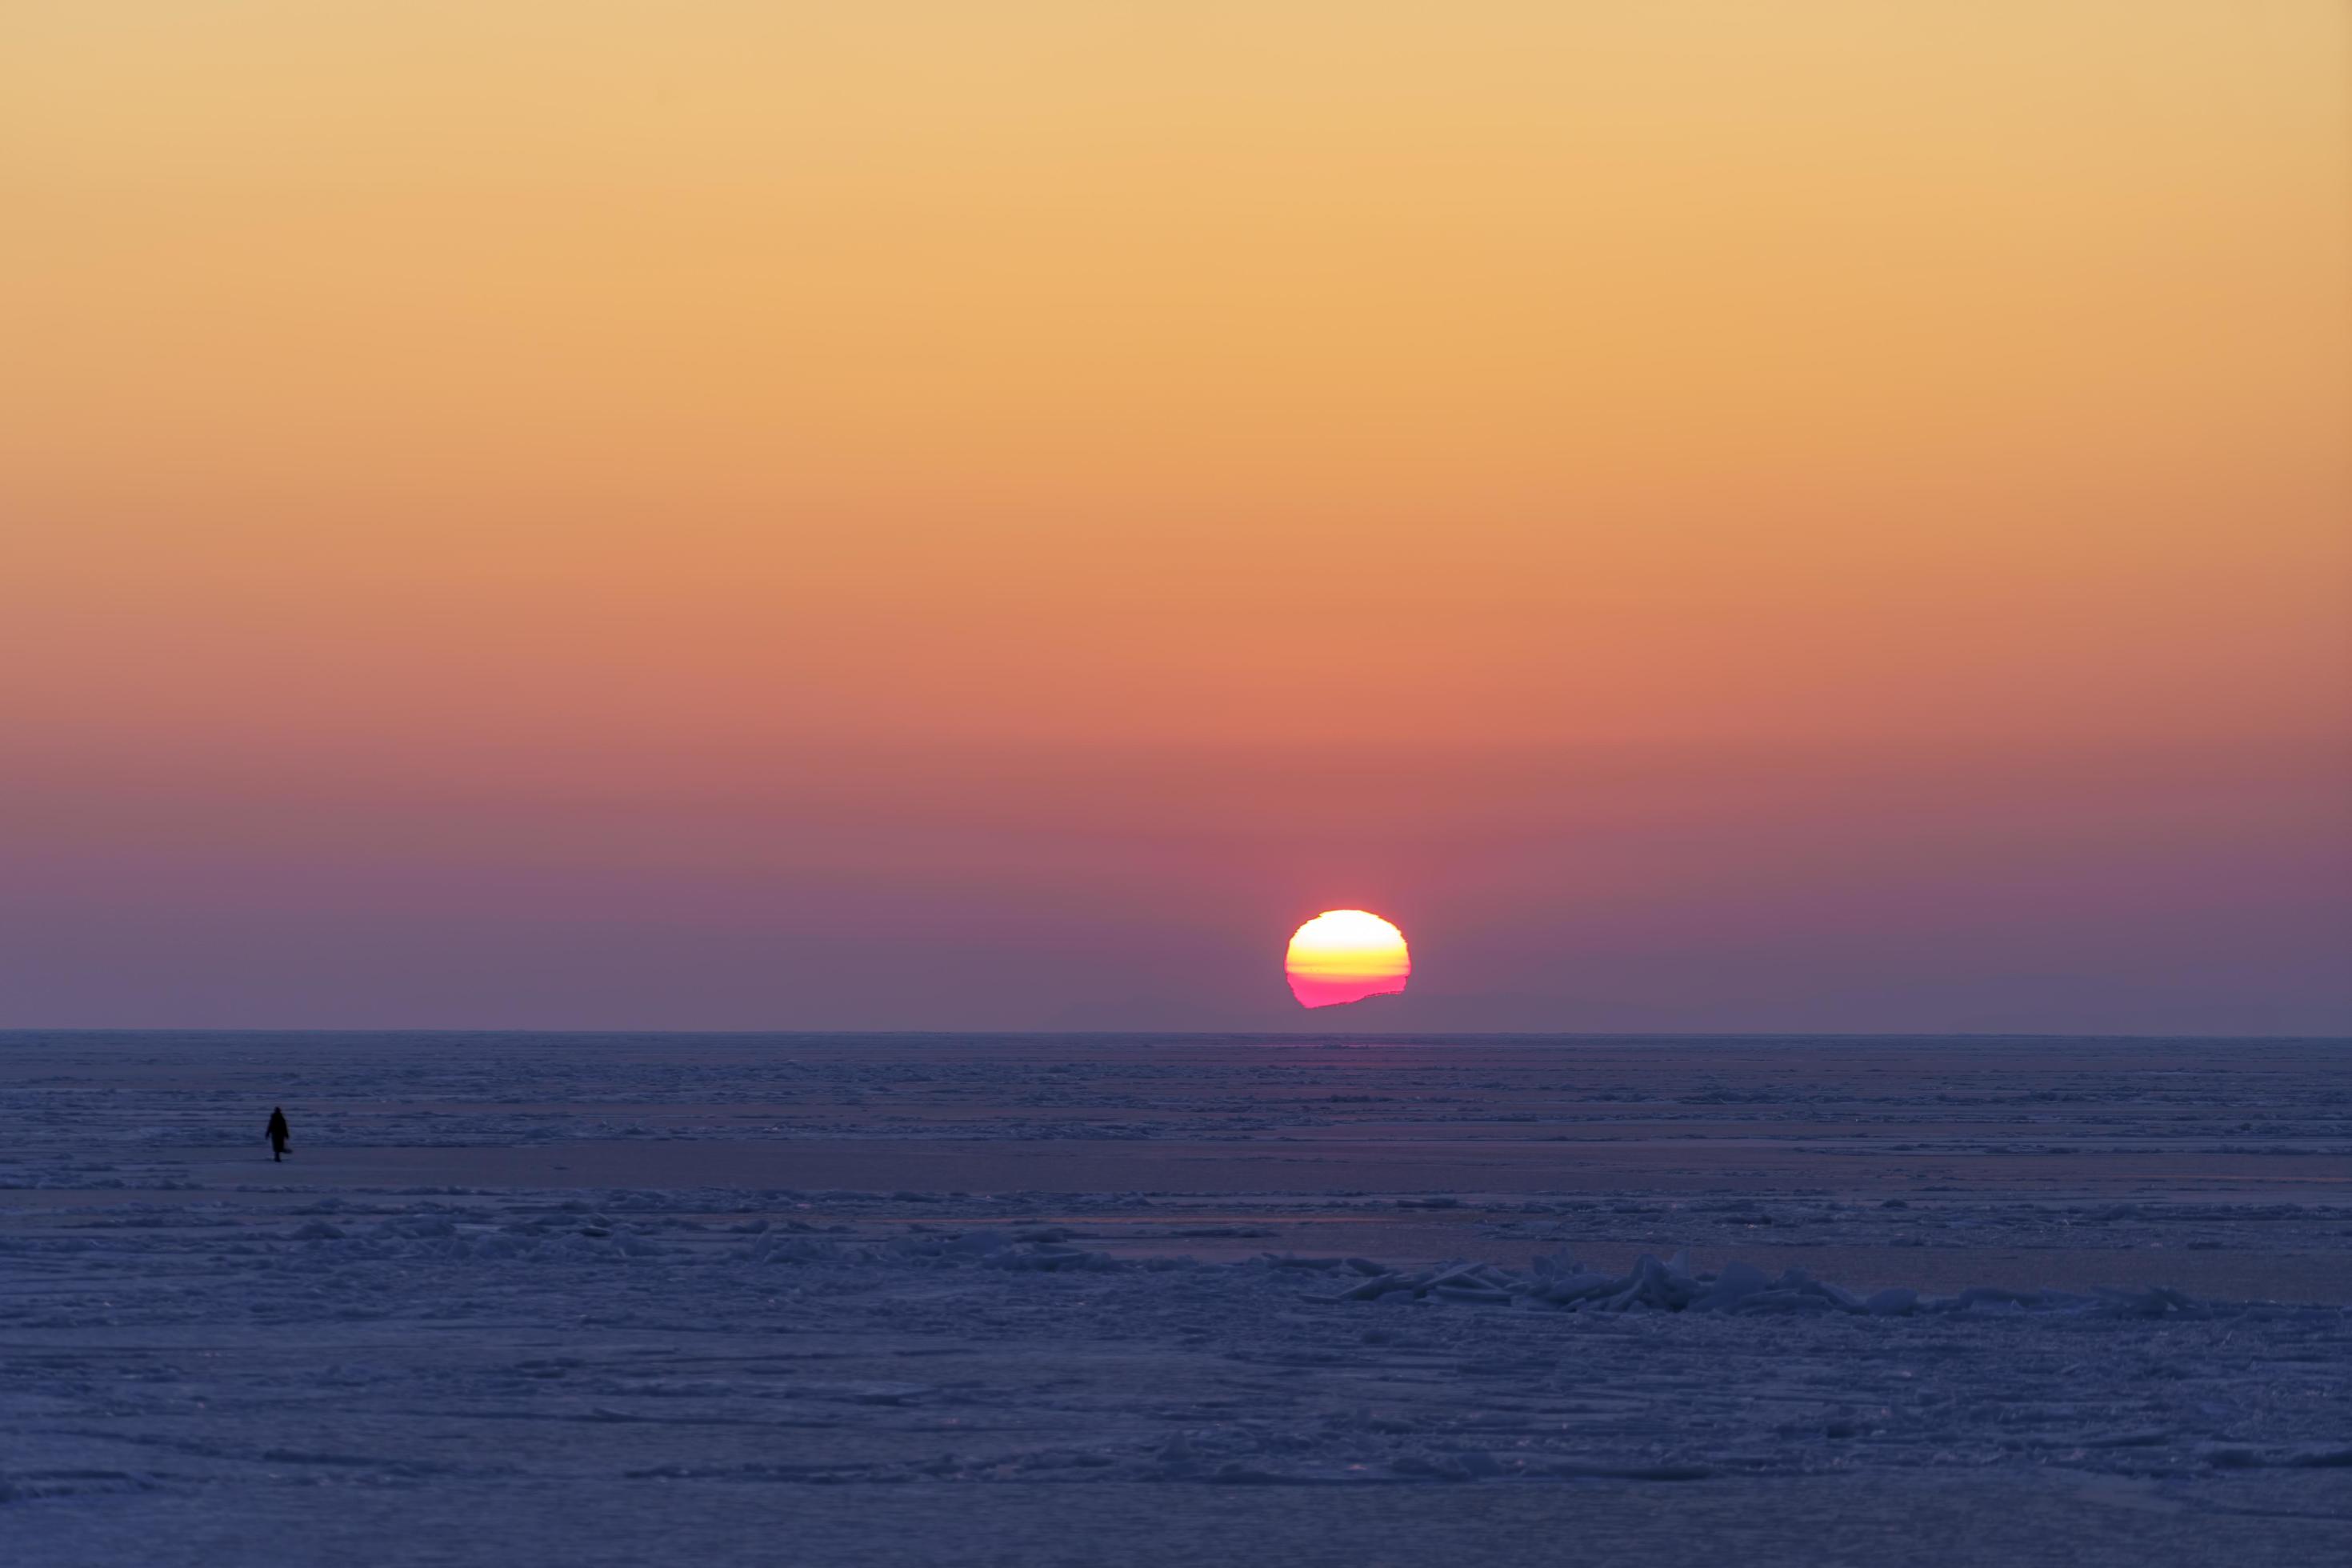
x: 280, y: 1135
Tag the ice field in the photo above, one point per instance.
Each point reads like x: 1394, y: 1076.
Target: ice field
x: 1052, y: 1299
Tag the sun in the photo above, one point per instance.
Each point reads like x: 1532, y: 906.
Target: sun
x: 1345, y: 955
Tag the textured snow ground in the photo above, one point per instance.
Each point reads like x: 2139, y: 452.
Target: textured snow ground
x: 632, y: 1299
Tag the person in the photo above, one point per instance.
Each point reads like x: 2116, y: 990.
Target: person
x: 279, y: 1135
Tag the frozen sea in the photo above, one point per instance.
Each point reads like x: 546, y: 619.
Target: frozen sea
x: 1048, y: 1300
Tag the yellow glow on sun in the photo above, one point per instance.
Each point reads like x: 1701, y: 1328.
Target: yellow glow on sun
x: 1345, y: 955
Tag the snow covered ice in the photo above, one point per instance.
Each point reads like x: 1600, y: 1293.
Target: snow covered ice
x: 902, y: 1300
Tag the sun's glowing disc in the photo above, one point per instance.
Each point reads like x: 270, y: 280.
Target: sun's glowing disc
x: 1345, y: 955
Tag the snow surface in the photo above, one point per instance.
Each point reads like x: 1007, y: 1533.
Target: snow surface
x: 914, y: 1299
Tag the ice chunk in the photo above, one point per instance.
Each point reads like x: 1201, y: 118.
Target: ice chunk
x: 1737, y: 1283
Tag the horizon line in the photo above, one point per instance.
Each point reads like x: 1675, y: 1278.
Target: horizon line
x: 1401, y: 1035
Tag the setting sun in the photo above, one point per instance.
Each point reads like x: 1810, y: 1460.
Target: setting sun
x: 1345, y: 955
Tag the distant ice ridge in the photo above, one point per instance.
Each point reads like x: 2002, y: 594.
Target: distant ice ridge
x: 1560, y: 1282
x: 1556, y: 1282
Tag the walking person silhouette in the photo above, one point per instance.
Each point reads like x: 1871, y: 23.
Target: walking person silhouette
x: 278, y: 1134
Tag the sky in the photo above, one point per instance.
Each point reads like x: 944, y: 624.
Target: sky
x: 1711, y: 516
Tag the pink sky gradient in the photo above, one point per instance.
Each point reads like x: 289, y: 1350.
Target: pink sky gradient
x: 1713, y: 516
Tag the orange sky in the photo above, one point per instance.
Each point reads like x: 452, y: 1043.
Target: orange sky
x: 1701, y: 512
